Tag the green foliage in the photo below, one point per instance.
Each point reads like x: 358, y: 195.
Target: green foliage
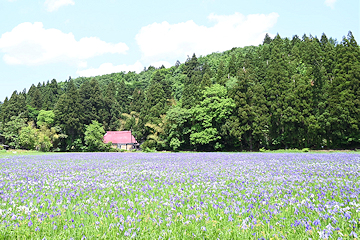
x: 178, y: 126
x: 210, y: 115
x: 92, y: 101
x: 94, y: 135
x: 48, y: 138
x: 175, y: 144
x: 46, y: 118
x: 69, y: 116
x: 156, y: 138
x: 111, y: 111
x: 28, y: 137
x: 262, y: 149
x: 11, y: 130
x: 149, y: 150
x: 36, y: 99
x: 32, y: 113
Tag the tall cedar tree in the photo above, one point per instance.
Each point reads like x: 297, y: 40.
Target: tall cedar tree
x: 50, y: 95
x: 249, y: 125
x: 122, y: 97
x: 111, y: 110
x: 345, y: 94
x: 69, y: 112
x: 36, y: 99
x: 277, y: 86
x: 92, y: 101
x: 4, y: 111
x: 15, y: 106
x: 155, y: 104
x: 192, y: 86
x: 138, y: 100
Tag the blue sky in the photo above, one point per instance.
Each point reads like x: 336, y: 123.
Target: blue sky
x: 45, y: 39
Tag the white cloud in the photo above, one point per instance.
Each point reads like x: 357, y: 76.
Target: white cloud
x: 107, y: 68
x: 175, y: 41
x: 330, y: 3
x: 31, y: 44
x: 54, y: 5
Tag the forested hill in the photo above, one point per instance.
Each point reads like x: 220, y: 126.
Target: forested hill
x: 298, y: 93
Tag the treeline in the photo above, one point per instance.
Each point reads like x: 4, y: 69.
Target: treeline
x: 298, y: 93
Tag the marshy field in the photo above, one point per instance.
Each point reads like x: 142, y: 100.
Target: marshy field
x: 180, y: 196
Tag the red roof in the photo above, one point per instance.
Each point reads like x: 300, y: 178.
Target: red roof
x: 122, y: 137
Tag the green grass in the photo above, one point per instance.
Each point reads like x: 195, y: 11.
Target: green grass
x: 17, y: 152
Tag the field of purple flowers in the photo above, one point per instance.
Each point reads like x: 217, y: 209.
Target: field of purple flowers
x: 180, y: 196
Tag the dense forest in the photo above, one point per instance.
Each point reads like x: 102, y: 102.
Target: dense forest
x: 285, y: 93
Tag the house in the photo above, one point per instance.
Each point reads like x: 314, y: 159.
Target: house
x: 121, y: 139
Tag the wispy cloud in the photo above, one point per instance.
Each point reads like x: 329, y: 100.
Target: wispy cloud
x: 32, y: 44
x: 54, y: 5
x: 330, y: 3
x: 165, y: 41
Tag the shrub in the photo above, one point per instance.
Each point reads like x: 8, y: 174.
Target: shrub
x: 146, y: 149
x: 305, y: 150
x: 262, y: 149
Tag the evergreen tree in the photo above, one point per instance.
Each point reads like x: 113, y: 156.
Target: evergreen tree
x: 232, y: 66
x: 30, y: 94
x: 122, y: 97
x: 206, y: 70
x: 277, y: 86
x: 192, y: 85
x: 344, y: 96
x: 206, y: 81
x: 36, y: 101
x: 50, y: 95
x: 155, y: 102
x: 138, y: 100
x: 111, y: 110
x: 295, y: 40
x: 191, y: 66
x: 192, y: 91
x: 220, y: 75
x: 249, y: 125
x: 267, y: 39
x: 4, y: 111
x: 15, y: 106
x: 91, y: 99
x: 69, y: 113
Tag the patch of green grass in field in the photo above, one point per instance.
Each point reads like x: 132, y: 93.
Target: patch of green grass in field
x: 17, y: 152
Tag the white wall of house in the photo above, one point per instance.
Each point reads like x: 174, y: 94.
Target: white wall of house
x: 124, y: 146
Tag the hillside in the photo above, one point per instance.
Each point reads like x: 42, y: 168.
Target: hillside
x: 298, y: 93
